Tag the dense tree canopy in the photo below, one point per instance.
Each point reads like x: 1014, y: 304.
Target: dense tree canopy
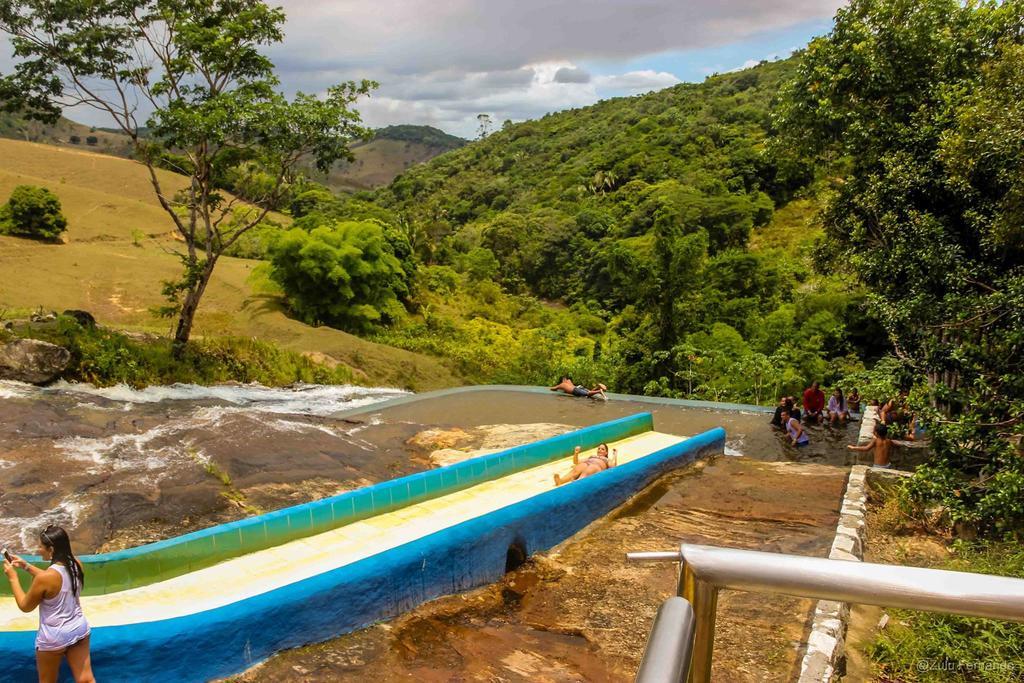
x: 637, y: 214
x: 922, y: 102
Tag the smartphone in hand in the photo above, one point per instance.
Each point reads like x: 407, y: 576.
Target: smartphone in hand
x: 8, y: 556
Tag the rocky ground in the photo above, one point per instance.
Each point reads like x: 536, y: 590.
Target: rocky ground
x: 119, y: 473
x: 580, y: 613
x: 119, y: 469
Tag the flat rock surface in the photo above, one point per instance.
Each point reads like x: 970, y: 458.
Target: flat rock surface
x: 580, y: 613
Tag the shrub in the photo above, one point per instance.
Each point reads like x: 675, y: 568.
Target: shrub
x: 33, y: 212
x: 312, y: 201
x: 480, y: 264
x: 345, y: 275
x: 439, y: 279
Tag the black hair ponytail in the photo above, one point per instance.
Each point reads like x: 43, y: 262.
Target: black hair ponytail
x: 57, y: 540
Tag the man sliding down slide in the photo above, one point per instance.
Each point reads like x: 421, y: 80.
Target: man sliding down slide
x: 566, y: 385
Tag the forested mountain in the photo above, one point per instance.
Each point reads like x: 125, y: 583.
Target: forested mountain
x: 637, y: 213
x: 706, y: 137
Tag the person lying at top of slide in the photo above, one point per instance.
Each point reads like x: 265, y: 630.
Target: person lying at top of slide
x: 592, y: 465
x: 566, y: 385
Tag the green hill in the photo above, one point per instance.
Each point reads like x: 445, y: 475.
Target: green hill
x: 118, y: 253
x: 671, y: 227
x: 424, y: 135
x: 392, y: 151
x: 707, y: 136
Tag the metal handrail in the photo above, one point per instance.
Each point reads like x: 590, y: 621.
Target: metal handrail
x: 670, y: 645
x: 706, y: 569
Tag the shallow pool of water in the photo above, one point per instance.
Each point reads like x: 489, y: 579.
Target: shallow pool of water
x: 748, y: 431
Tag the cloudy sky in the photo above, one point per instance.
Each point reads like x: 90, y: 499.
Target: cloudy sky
x: 442, y: 62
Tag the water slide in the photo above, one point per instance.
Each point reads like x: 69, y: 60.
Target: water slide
x: 214, y: 602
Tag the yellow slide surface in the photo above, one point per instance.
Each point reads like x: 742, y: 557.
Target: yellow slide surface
x: 289, y: 563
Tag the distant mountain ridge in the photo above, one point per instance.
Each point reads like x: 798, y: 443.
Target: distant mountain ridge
x: 425, y: 135
x: 391, y: 151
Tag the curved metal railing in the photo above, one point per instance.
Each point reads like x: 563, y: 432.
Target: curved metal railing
x: 706, y: 569
x: 670, y: 645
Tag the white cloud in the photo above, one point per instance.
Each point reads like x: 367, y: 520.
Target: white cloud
x: 444, y: 61
x: 412, y: 36
x: 476, y: 93
x: 634, y: 82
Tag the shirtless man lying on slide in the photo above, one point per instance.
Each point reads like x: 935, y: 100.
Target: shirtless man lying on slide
x: 592, y: 465
x: 569, y: 387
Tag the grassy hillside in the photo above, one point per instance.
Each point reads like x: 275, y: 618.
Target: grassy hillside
x: 64, y: 133
x: 117, y: 256
x: 391, y: 152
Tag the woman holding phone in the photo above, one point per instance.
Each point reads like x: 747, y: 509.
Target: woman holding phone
x: 63, y: 630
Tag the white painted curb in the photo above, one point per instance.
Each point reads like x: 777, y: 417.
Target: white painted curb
x: 826, y: 642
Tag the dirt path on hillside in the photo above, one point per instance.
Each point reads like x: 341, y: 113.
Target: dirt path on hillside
x: 580, y: 613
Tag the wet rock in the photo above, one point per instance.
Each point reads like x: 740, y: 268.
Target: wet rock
x: 449, y: 446
x: 33, y: 361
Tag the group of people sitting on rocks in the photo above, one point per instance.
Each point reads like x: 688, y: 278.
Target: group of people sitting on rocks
x: 836, y: 411
x: 894, y: 418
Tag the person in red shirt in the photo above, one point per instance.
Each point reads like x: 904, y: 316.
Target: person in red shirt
x: 814, y: 403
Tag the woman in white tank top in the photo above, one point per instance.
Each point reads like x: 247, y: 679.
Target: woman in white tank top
x: 63, y: 630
